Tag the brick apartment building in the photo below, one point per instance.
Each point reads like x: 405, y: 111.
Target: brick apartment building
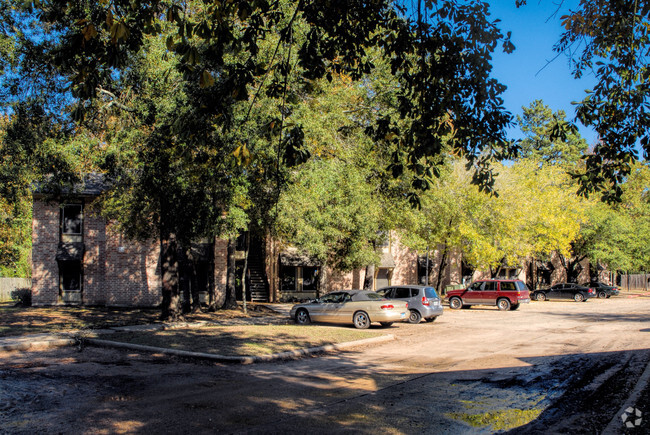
x: 78, y: 259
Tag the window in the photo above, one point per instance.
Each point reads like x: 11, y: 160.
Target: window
x: 69, y: 254
x: 491, y: 286
x: 476, y: 286
x: 299, y: 278
x: 309, y: 278
x: 71, y: 218
x: 384, y: 239
x: 288, y: 278
x: 70, y: 273
x: 402, y: 293
x: 430, y: 293
x: 508, y: 286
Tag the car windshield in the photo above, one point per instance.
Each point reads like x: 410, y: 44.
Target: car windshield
x: 430, y: 293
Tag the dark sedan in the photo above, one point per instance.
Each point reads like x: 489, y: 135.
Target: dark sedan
x: 564, y: 291
x: 603, y: 290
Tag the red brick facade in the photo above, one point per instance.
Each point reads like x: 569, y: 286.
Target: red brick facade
x: 117, y: 272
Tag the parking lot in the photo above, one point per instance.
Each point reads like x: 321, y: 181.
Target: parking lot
x: 550, y: 366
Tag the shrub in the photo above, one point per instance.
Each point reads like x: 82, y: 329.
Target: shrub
x: 22, y: 296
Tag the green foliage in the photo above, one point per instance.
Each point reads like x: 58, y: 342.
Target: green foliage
x: 611, y: 40
x: 544, y: 140
x: 535, y: 213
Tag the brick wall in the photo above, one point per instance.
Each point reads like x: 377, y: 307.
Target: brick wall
x: 115, y: 272
x: 45, y: 240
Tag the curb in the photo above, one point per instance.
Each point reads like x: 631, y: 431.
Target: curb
x: 249, y: 359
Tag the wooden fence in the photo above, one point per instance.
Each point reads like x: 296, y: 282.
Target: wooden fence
x: 8, y: 285
x: 634, y: 282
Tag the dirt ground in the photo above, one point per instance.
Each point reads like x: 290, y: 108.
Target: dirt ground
x: 550, y: 367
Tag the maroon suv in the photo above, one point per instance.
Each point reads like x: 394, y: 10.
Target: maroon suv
x: 506, y: 294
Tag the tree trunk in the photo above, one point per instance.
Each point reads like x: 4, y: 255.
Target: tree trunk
x: 194, y: 287
x: 322, y: 280
x: 212, y: 289
x: 245, y: 273
x: 231, y: 297
x: 369, y: 281
x: 441, y: 269
x: 170, y: 308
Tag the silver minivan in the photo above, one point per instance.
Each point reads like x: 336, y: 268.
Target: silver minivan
x: 423, y: 301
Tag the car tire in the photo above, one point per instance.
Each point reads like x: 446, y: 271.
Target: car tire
x: 455, y: 303
x: 602, y: 295
x: 578, y: 297
x: 386, y: 324
x: 414, y: 317
x: 504, y: 304
x: 431, y: 319
x: 361, y: 320
x: 514, y: 307
x: 540, y: 297
x: 302, y: 317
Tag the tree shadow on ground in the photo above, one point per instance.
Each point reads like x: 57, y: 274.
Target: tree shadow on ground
x: 108, y: 391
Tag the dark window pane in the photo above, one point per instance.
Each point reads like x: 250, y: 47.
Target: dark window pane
x: 309, y: 278
x: 402, y: 293
x: 288, y: 278
x: 70, y: 275
x: 72, y: 219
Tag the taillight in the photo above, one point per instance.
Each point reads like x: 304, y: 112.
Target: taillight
x: 591, y: 290
x: 425, y: 301
x: 387, y: 307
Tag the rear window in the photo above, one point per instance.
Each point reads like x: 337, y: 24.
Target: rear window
x: 521, y: 285
x: 430, y: 293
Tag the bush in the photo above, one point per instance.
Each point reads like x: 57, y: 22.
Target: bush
x: 22, y: 296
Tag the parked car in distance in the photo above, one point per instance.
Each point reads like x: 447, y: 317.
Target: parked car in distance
x: 564, y: 290
x: 423, y: 301
x: 506, y: 294
x: 359, y: 307
x: 603, y: 290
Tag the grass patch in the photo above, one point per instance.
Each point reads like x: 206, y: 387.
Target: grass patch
x: 243, y: 340
x: 499, y: 420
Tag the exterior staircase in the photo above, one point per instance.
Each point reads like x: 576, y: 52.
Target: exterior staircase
x: 259, y: 289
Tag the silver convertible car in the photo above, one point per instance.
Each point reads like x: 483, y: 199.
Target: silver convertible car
x: 359, y: 307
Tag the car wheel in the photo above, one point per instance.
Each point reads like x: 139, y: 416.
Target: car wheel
x: 578, y: 297
x: 540, y: 297
x: 455, y: 303
x: 361, y: 320
x: 414, y: 316
x: 602, y: 295
x: 431, y: 319
x: 514, y: 307
x: 302, y: 317
x: 386, y: 324
x: 503, y: 304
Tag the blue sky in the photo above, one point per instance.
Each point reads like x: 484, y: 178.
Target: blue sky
x: 526, y: 72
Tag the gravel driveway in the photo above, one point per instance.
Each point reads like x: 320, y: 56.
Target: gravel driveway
x: 548, y: 367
